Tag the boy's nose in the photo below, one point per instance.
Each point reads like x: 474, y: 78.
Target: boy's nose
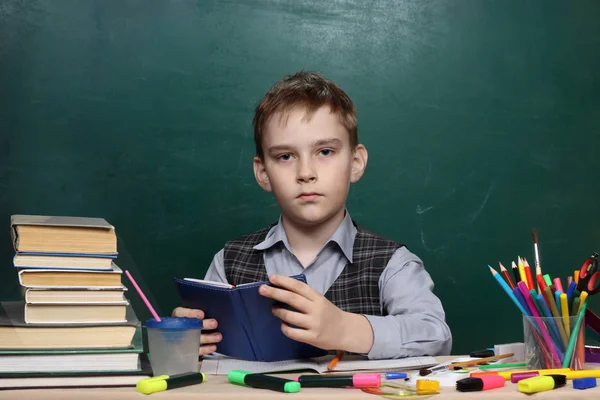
x: 306, y: 172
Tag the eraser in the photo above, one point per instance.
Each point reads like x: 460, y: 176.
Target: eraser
x: 517, y: 348
x: 584, y: 383
x: 423, y: 384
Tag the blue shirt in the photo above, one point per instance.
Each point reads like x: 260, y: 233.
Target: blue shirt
x: 415, y: 321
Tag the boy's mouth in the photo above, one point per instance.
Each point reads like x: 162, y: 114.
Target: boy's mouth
x: 309, y: 196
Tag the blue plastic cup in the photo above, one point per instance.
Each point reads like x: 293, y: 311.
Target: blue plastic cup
x: 174, y: 345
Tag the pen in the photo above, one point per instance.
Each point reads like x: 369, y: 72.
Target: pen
x: 166, y: 382
x: 261, y: 381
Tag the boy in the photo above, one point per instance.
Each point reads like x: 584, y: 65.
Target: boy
x: 365, y: 294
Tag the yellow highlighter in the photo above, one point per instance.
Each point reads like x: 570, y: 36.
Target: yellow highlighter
x: 541, y: 383
x: 564, y: 309
x: 165, y: 382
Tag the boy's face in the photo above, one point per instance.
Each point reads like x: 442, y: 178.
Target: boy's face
x: 309, y: 165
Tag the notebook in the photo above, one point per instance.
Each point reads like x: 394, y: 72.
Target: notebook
x: 217, y: 364
x: 249, y: 328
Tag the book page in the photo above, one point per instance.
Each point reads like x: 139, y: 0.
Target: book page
x: 211, y: 283
x: 220, y: 365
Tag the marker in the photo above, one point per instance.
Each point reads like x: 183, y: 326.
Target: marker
x: 541, y: 383
x: 507, y: 374
x: 261, y: 381
x: 165, y: 382
x: 335, y: 381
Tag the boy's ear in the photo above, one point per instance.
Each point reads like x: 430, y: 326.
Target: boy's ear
x: 260, y: 173
x: 359, y: 162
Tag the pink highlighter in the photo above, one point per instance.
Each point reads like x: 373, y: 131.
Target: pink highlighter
x: 486, y: 382
x: 334, y: 381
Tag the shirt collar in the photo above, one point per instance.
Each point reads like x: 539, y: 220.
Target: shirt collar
x: 343, y: 236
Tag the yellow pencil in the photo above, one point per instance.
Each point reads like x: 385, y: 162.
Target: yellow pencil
x: 564, y: 308
x: 522, y: 270
x: 582, y: 297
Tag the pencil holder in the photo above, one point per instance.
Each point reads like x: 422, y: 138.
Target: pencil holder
x: 174, y: 345
x: 549, y: 341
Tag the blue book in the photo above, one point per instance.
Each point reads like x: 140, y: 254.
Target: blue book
x: 249, y: 328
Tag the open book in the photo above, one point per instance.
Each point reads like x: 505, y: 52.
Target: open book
x: 221, y: 365
x: 249, y: 328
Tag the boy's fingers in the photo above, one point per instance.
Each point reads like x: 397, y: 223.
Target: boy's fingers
x: 204, y: 350
x: 209, y: 324
x: 181, y: 312
x: 300, y: 335
x: 285, y: 296
x: 210, y: 338
x: 293, y: 285
x: 291, y: 317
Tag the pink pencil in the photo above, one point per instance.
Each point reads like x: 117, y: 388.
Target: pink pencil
x: 135, y: 285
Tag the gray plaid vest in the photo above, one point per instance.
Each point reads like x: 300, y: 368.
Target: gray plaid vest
x: 356, y: 290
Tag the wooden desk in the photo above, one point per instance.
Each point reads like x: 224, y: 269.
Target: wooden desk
x: 217, y: 387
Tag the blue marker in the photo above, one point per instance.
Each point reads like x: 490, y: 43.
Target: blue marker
x: 395, y: 375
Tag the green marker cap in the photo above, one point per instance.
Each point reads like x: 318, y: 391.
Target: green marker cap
x: 237, y: 376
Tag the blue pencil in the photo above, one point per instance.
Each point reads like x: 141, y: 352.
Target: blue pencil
x: 506, y: 288
x: 570, y: 291
x: 548, y: 314
x: 557, y: 299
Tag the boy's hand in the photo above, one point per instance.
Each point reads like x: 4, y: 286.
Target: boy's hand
x: 207, y: 340
x: 319, y: 322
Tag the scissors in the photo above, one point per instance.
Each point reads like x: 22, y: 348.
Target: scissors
x: 589, y: 276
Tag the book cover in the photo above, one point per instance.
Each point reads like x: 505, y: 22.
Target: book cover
x: 250, y: 330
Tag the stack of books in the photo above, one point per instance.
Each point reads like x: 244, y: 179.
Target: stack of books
x: 75, y: 326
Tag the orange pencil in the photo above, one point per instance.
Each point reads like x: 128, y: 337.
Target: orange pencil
x: 506, y: 276
x: 335, y: 360
x: 527, y: 269
x: 576, y: 276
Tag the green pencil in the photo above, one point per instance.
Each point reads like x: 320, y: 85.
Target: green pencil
x: 495, y: 366
x: 573, y: 340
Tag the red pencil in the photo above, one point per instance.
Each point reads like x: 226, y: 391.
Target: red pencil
x: 506, y: 276
x: 527, y: 269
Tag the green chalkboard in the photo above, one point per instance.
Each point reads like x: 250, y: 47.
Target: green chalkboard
x: 482, y: 121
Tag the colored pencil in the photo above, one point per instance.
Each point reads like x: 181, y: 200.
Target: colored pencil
x: 527, y: 268
x: 506, y: 288
x: 506, y: 276
x: 556, y: 314
x: 573, y: 340
x: 564, y: 307
x: 515, y: 271
x: 335, y: 360
x: 522, y: 270
x: 576, y: 276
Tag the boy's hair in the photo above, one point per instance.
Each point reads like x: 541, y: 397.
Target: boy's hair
x: 308, y: 90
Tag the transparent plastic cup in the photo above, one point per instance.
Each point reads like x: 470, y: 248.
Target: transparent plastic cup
x: 174, y: 345
x: 547, y: 341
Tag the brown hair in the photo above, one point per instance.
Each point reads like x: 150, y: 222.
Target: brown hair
x: 311, y: 91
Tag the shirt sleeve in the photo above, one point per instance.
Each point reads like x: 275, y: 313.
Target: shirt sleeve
x: 415, y: 321
x: 216, y: 271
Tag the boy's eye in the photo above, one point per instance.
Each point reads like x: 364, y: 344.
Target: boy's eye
x: 284, y: 157
x: 326, y: 152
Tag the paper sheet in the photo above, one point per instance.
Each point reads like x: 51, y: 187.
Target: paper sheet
x: 221, y: 365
